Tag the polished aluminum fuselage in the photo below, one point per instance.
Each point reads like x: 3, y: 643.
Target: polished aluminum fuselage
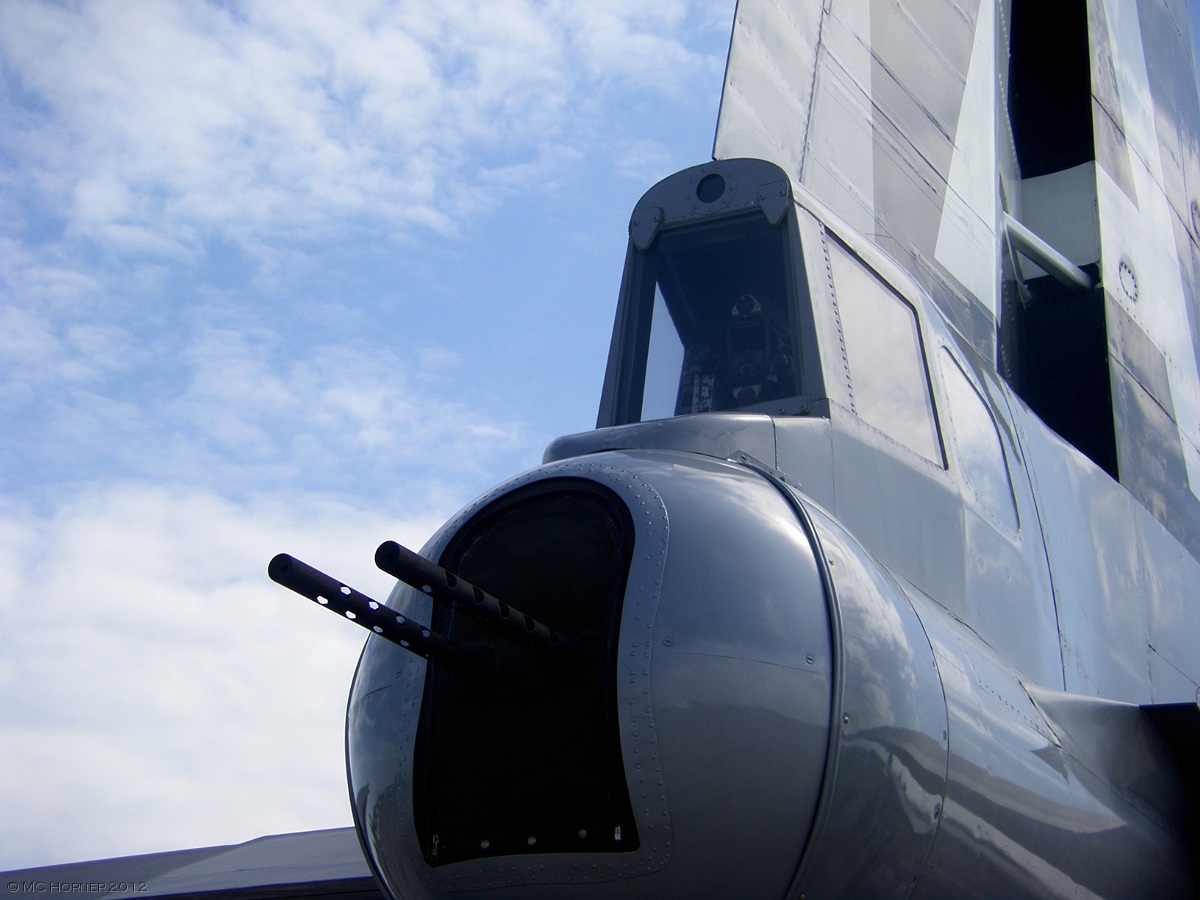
x: 844, y: 668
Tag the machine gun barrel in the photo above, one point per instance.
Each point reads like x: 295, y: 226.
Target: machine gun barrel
x: 370, y: 614
x: 446, y: 587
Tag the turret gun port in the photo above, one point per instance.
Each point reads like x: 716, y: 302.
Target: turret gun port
x: 445, y: 587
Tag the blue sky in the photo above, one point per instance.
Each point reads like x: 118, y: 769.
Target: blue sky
x: 298, y: 277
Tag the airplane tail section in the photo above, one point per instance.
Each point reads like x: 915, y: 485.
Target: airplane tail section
x: 1036, y: 168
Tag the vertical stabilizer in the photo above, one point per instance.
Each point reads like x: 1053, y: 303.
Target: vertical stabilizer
x: 1036, y: 167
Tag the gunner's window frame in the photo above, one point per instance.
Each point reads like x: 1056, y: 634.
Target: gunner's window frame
x: 883, y: 344
x: 634, y: 335
x: 979, y: 449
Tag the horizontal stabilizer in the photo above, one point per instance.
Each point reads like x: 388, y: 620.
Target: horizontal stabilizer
x: 1141, y: 749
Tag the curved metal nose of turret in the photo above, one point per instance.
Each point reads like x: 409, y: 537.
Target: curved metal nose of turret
x: 679, y: 752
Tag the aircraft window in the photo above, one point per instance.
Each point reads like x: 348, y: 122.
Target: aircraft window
x: 889, y: 386
x: 721, y: 334
x: 664, y: 362
x: 980, y: 453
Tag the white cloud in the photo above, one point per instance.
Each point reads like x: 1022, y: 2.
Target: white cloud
x: 632, y: 41
x: 333, y: 410
x: 152, y: 120
x: 24, y: 337
x: 156, y: 678
x: 646, y: 161
x: 235, y: 407
x: 43, y: 279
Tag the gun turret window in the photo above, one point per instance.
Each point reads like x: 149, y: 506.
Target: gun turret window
x: 980, y: 453
x: 711, y: 323
x: 889, y: 385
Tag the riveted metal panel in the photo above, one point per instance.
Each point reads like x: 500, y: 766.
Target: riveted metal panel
x: 768, y: 81
x: 1170, y: 589
x: 1088, y: 525
x: 1168, y: 682
x: 804, y: 451
x: 1108, y: 120
x: 1007, y: 594
x: 863, y: 106
x: 889, y: 776
x: 1027, y: 814
x: 906, y: 509
x: 1137, y: 353
x: 719, y: 435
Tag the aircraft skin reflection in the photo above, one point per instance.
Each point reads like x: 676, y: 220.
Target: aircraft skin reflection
x: 844, y: 596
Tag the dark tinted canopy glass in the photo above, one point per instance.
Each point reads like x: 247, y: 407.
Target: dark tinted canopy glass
x: 715, y: 323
